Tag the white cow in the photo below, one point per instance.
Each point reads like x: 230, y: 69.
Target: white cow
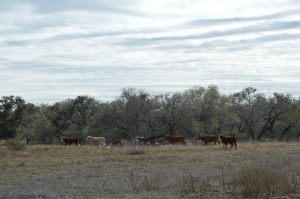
x: 96, y: 141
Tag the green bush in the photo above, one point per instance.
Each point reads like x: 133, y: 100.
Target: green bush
x: 15, y: 144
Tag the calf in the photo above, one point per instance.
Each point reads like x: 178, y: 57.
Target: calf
x: 209, y: 138
x: 228, y: 139
x: 153, y: 140
x: 141, y: 140
x: 71, y: 141
x: 96, y: 141
x: 176, y: 139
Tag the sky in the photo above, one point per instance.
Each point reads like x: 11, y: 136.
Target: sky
x: 51, y: 50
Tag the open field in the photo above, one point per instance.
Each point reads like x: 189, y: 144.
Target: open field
x: 193, y: 171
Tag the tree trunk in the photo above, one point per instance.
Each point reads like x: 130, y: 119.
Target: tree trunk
x: 285, y: 131
x: 251, y: 134
x: 263, y: 131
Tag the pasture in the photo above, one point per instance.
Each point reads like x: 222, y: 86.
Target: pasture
x: 192, y: 171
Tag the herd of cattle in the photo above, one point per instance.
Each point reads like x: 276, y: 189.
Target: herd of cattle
x: 156, y: 140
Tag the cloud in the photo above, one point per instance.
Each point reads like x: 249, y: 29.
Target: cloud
x: 216, y: 21
x: 52, y: 7
x: 53, y: 50
x: 259, y: 28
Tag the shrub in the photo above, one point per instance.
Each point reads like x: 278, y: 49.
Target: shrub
x: 15, y: 144
x: 136, y: 150
x: 2, y: 142
x: 142, y: 183
x: 261, y: 181
x: 191, y: 187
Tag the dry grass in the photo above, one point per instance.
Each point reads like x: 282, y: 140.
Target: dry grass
x: 191, y: 187
x: 261, y: 180
x: 136, y: 150
x: 193, y: 171
x: 15, y: 144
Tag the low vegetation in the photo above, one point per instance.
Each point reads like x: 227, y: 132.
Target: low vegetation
x: 15, y: 144
x: 136, y: 150
x: 254, y: 170
x: 264, y: 181
x: 191, y: 187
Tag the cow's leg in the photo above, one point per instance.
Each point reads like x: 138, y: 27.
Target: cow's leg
x: 235, y: 145
x: 205, y: 142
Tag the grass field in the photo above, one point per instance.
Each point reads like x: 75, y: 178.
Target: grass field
x: 254, y: 170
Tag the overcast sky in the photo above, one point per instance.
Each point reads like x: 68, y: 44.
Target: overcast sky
x: 56, y: 49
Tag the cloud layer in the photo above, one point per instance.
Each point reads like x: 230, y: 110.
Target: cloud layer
x: 52, y: 50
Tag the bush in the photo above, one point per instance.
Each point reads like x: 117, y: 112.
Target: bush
x: 2, y: 142
x: 191, y: 187
x: 139, y: 183
x: 15, y: 144
x: 136, y: 150
x: 262, y: 181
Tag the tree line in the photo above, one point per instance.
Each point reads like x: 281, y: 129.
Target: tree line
x: 247, y: 114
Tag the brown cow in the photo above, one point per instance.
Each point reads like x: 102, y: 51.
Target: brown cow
x: 71, y: 141
x: 176, y: 139
x: 117, y: 142
x: 228, y: 139
x: 209, y: 138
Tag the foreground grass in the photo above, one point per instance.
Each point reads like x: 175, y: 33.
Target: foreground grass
x: 193, y: 171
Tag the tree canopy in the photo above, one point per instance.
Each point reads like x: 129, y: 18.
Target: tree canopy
x: 198, y: 111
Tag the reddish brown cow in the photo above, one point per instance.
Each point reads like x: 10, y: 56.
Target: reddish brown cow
x: 176, y: 139
x: 71, y: 141
x: 228, y: 139
x: 209, y: 138
x: 117, y: 142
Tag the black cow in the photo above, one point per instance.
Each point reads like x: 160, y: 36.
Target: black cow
x: 228, y: 139
x: 209, y: 138
x: 71, y: 141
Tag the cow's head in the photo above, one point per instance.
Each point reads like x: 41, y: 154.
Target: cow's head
x: 88, y: 138
x: 139, y: 138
